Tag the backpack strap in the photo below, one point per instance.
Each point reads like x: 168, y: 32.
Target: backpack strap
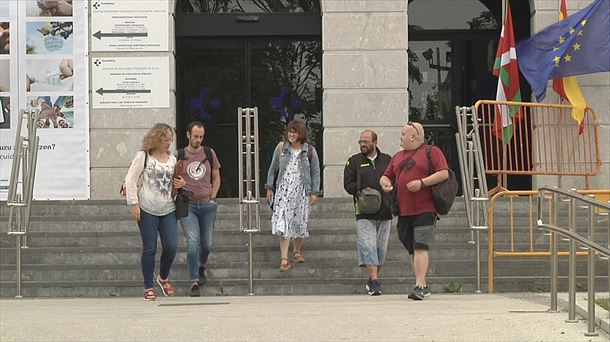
x: 209, y: 156
x: 280, y: 152
x: 309, y: 152
x: 181, y: 154
x: 358, y: 178
x: 428, y: 152
x: 145, y: 158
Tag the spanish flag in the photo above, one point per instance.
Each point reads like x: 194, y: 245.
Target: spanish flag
x: 568, y: 87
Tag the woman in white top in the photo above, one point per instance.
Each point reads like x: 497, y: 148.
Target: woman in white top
x: 149, y: 184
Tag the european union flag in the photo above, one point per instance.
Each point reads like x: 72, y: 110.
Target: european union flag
x: 579, y: 44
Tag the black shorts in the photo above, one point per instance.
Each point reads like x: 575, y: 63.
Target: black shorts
x: 415, y: 232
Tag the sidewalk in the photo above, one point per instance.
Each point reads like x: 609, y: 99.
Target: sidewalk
x: 443, y: 317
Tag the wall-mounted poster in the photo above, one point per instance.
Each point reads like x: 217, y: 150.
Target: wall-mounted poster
x: 5, y: 38
x: 49, y: 37
x: 5, y: 75
x: 49, y: 8
x: 45, y: 69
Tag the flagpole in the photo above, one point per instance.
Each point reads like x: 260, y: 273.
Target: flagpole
x: 560, y: 156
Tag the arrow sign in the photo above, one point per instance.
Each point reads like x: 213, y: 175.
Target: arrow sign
x: 99, y: 35
x: 101, y: 91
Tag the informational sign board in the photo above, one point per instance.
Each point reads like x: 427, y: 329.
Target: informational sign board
x: 130, y: 82
x: 121, y: 25
x: 45, y: 67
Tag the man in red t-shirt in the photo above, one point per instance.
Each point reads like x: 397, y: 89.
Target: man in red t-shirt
x: 409, y: 173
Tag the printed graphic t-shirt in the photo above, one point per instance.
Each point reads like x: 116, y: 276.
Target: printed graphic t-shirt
x: 197, y: 173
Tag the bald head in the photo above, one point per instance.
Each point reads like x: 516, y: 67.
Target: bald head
x: 412, y: 135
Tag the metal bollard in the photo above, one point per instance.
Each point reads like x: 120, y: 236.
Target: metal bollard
x: 572, y: 267
x: 554, y: 256
x: 591, y: 277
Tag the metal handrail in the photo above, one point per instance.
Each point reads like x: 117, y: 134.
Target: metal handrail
x: 589, y: 242
x: 249, y: 199
x: 471, y: 166
x: 21, y: 186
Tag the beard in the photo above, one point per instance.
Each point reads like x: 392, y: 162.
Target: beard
x: 194, y: 144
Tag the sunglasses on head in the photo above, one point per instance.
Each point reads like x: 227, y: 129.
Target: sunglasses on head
x: 412, y: 125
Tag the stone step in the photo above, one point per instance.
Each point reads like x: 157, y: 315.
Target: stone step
x: 225, y: 237
x: 289, y: 286
x: 233, y: 287
x: 270, y: 252
x: 269, y: 270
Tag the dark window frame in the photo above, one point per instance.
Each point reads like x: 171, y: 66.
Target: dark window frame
x: 248, y: 25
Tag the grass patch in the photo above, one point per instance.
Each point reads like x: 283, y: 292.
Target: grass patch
x: 603, y: 302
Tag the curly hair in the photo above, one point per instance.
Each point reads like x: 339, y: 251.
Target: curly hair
x: 154, y: 137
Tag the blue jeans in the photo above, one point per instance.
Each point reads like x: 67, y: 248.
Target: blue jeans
x: 168, y: 229
x: 373, y: 236
x: 199, y: 231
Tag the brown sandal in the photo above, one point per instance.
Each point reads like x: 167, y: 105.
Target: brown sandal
x: 150, y: 294
x: 284, y: 266
x: 166, y: 287
x: 298, y: 257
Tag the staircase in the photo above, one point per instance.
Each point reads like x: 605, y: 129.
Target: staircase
x: 92, y: 249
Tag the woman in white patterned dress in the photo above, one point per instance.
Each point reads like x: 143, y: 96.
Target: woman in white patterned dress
x: 295, y: 169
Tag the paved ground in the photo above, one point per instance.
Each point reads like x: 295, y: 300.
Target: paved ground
x: 443, y: 317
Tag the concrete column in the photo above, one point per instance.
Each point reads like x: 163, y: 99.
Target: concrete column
x: 364, y: 78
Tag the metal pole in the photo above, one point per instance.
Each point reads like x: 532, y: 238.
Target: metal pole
x: 591, y: 276
x: 250, y: 265
x: 572, y: 267
x: 554, y: 257
x: 477, y: 192
x: 470, y: 159
x: 248, y: 182
x: 248, y: 112
x: 18, y: 249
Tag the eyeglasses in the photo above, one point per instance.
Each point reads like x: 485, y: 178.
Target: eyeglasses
x: 412, y: 125
x: 360, y: 142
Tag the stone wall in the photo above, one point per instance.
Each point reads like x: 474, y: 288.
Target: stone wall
x: 364, y: 77
x: 116, y: 134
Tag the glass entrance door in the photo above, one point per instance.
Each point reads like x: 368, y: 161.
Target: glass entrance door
x: 282, y: 77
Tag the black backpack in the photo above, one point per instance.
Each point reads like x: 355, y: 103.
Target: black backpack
x: 208, y: 156
x: 443, y: 193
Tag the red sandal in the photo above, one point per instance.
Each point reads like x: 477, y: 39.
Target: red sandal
x: 284, y: 266
x: 150, y: 294
x: 166, y: 287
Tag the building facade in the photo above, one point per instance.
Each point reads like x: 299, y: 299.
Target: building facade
x: 341, y: 65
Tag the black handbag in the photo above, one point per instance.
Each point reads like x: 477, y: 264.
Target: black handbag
x: 183, y: 197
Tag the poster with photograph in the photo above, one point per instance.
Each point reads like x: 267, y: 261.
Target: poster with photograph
x: 49, y: 37
x: 48, y: 73
x: 48, y: 8
x: 5, y: 75
x: 5, y: 112
x: 53, y: 111
x: 5, y: 38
